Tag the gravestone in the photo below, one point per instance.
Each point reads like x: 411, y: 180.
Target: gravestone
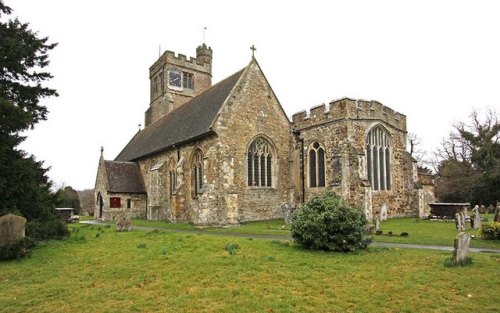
x: 496, y: 218
x: 463, y: 215
x: 461, y: 251
x: 286, y: 209
x: 458, y: 221
x: 491, y: 209
x: 475, y: 219
x: 124, y: 223
x: 482, y: 209
x: 12, y: 228
x: 377, y: 224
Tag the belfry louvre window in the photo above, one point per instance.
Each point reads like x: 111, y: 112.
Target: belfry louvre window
x: 260, y: 163
x: 197, y: 176
x: 316, y: 166
x: 187, y: 80
x: 378, y: 158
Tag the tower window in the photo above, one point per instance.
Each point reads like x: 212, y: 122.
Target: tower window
x: 187, y: 80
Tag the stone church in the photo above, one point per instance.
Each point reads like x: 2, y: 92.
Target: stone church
x: 227, y: 153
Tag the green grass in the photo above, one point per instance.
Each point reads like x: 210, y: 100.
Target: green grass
x: 420, y: 231
x: 159, y: 271
x: 428, y: 232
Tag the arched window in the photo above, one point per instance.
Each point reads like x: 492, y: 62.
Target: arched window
x: 378, y: 158
x: 172, y: 177
x: 197, y: 169
x: 316, y: 166
x: 260, y: 163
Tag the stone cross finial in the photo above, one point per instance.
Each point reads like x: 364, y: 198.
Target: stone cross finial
x: 139, y: 126
x: 253, y: 50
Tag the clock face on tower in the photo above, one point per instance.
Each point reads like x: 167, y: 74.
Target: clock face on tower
x: 175, y: 79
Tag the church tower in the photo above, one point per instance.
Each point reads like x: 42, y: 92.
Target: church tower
x: 175, y: 80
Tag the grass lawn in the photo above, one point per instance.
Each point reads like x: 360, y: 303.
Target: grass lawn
x: 99, y: 270
x: 420, y: 231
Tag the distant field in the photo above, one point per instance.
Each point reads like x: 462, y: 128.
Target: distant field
x: 99, y: 270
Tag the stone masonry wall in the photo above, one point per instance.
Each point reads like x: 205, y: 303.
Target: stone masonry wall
x: 252, y: 111
x: 342, y: 130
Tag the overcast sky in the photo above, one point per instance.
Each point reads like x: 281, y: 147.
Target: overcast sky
x: 434, y: 61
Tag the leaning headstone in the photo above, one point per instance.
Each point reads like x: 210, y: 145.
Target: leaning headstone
x: 286, y: 209
x: 461, y: 251
x: 124, y: 223
x: 12, y: 228
x: 476, y: 217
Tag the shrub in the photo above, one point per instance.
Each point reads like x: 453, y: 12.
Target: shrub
x: 404, y: 234
x: 389, y: 233
x: 54, y: 228
x: 379, y: 232
x: 326, y: 222
x: 18, y: 249
x: 490, y: 231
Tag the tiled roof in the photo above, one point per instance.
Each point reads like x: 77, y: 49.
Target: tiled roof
x: 190, y: 121
x: 124, y: 177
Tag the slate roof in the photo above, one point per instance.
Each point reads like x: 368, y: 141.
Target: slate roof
x: 190, y: 121
x: 124, y: 177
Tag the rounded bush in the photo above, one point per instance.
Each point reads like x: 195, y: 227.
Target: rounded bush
x: 326, y: 222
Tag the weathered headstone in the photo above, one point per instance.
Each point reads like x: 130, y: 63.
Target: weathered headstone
x: 482, y: 209
x: 461, y: 251
x: 286, y: 209
x: 475, y: 219
x: 124, y: 223
x: 12, y: 228
x: 490, y: 210
x: 377, y: 224
x: 458, y: 221
x: 463, y: 215
x: 496, y: 217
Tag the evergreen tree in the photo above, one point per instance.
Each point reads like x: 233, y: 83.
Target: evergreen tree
x: 24, y: 186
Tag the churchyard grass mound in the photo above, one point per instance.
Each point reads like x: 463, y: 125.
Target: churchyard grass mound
x: 161, y: 271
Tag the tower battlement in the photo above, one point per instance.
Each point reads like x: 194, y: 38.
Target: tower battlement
x: 202, y: 62
x: 347, y: 108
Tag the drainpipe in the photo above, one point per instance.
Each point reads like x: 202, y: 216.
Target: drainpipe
x: 296, y: 134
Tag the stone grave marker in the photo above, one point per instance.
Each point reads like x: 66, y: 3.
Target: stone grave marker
x: 286, y: 209
x: 496, y: 218
x: 476, y: 219
x: 461, y: 251
x: 12, y: 228
x: 124, y: 223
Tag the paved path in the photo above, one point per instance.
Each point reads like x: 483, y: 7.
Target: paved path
x: 375, y: 243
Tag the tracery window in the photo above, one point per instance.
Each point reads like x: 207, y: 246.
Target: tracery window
x: 316, y: 165
x: 260, y: 163
x: 378, y: 158
x: 197, y: 170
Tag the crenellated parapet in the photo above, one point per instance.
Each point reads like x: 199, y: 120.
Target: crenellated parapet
x: 202, y: 62
x: 345, y: 109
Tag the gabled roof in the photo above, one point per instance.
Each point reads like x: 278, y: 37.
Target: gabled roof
x: 124, y: 177
x: 190, y: 121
